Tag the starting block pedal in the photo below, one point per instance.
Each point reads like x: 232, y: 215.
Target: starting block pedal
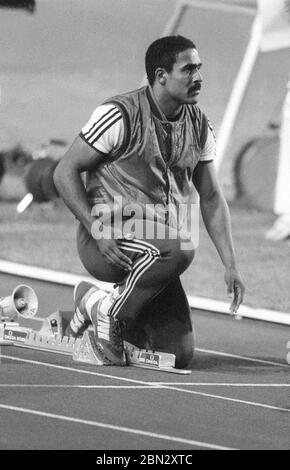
x: 154, y: 360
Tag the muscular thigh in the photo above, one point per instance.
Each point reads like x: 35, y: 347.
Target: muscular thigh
x: 93, y: 261
x: 175, y: 254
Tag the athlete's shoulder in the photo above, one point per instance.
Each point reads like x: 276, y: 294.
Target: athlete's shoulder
x: 127, y: 97
x: 200, y: 122
x: 105, y: 129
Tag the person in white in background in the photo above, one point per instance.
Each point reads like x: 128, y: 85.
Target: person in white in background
x: 281, y: 227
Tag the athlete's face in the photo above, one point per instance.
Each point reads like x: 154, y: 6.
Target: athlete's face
x: 183, y: 83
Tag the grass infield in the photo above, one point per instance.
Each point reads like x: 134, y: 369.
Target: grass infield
x: 44, y: 235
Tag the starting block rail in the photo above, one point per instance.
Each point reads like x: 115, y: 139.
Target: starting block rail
x: 49, y: 337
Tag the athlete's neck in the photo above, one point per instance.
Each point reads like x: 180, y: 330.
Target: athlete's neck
x: 170, y: 108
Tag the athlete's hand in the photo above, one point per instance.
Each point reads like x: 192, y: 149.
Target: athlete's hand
x: 235, y: 288
x: 113, y: 255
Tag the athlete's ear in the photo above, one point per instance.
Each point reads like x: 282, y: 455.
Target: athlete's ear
x: 160, y: 76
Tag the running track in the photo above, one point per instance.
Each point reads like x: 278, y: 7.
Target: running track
x: 237, y: 396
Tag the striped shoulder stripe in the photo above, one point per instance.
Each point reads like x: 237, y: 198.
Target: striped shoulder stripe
x: 104, y: 129
x: 106, y: 120
x: 87, y: 133
x: 126, y: 123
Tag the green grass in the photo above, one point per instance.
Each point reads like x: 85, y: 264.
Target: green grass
x: 44, y: 235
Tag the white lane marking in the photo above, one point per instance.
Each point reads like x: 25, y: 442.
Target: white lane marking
x: 221, y: 384
x: 235, y: 400
x: 98, y: 424
x: 139, y: 387
x: 144, y: 387
x: 81, y: 371
x: 73, y: 369
x: 245, y: 358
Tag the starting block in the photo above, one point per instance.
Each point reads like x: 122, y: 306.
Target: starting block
x: 49, y: 336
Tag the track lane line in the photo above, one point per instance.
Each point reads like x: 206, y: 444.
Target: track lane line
x: 74, y: 369
x: 245, y: 358
x: 144, y: 387
x: 235, y: 400
x: 164, y: 387
x: 112, y: 427
x: 221, y: 384
x: 117, y: 387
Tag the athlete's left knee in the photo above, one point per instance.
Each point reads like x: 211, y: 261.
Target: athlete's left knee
x: 187, y: 251
x: 182, y: 253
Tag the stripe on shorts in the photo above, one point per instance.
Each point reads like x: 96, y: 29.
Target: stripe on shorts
x: 149, y: 255
x: 139, y: 246
x: 141, y: 266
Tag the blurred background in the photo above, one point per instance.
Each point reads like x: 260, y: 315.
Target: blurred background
x: 61, y: 58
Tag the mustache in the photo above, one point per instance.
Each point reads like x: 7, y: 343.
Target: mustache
x: 195, y: 87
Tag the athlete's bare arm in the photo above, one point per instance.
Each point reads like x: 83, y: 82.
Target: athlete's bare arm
x: 216, y: 217
x: 81, y: 157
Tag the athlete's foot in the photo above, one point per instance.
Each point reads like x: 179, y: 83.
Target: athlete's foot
x: 89, y: 309
x: 108, y: 337
x: 80, y: 321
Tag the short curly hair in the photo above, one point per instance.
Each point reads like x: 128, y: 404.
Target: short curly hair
x: 163, y: 53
